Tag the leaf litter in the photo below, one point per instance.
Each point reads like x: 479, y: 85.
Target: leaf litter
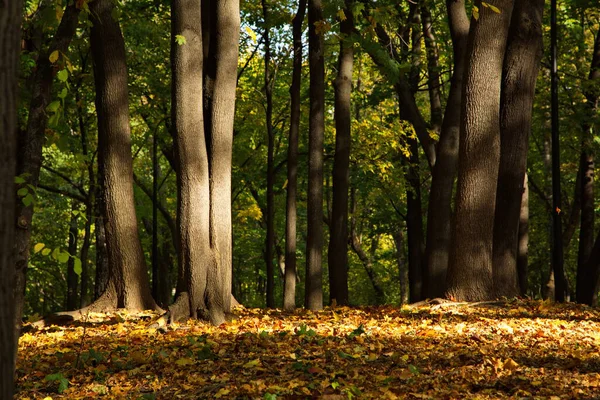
x: 513, y: 349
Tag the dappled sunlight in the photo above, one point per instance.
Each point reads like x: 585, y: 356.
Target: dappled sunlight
x: 489, y: 350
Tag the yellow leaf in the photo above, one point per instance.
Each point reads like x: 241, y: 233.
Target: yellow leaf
x: 406, y: 374
x: 510, y: 365
x: 59, y: 13
x: 53, y: 57
x: 491, y: 7
x: 476, y: 12
x: 251, y: 364
x: 251, y: 33
x: 341, y: 15
x: 184, y: 361
x: 222, y: 392
x: 38, y: 247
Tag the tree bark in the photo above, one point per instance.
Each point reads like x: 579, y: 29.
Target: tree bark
x: 128, y: 284
x: 30, y: 145
x: 521, y: 66
x: 470, y: 269
x: 338, y: 241
x: 523, y: 240
x: 439, y: 214
x: 10, y: 31
x: 587, y: 285
x: 289, y: 289
x: 314, y: 242
x: 433, y: 69
x: 270, y: 239
x: 72, y: 278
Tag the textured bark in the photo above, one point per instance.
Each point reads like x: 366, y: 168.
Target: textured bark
x: 128, y: 284
x: 289, y: 289
x: 31, y: 142
x: 84, y: 255
x: 72, y: 278
x: 521, y: 66
x: 314, y: 241
x: 270, y: 239
x: 10, y: 32
x: 433, y: 69
x: 439, y: 212
x: 587, y: 285
x: 414, y: 225
x: 402, y: 272
x: 224, y: 53
x: 523, y: 240
x: 470, y: 269
x: 193, y: 194
x: 338, y: 240
x: 102, y: 270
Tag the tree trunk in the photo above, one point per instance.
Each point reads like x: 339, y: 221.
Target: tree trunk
x: 314, y: 243
x: 270, y: 239
x: 439, y: 213
x: 102, y: 270
x: 128, y: 284
x: 30, y: 145
x: 83, y: 255
x: 289, y: 289
x: 470, y: 269
x: 402, y: 272
x: 10, y: 31
x: 72, y: 278
x: 523, y: 240
x: 433, y: 69
x: 586, y: 281
x: 338, y: 241
x: 521, y: 65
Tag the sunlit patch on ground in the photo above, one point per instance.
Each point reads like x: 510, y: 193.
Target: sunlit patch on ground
x: 517, y: 349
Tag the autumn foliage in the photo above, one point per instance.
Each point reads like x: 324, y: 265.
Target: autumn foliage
x: 444, y: 351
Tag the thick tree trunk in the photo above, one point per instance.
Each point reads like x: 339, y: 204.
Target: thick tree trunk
x: 10, y: 31
x: 72, y: 278
x: 523, y: 240
x: 414, y: 225
x: 30, y: 145
x: 270, y: 239
x: 224, y: 54
x: 338, y: 241
x: 314, y: 242
x: 289, y: 289
x: 470, y: 269
x: 587, y: 285
x: 521, y: 65
x: 439, y: 212
x: 128, y: 284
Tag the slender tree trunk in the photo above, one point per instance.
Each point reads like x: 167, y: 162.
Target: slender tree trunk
x: 521, y: 65
x: 587, y: 285
x: 557, y: 242
x: 289, y: 290
x: 338, y: 241
x: 270, y: 239
x: 156, y: 277
x: 83, y: 255
x: 439, y: 212
x: 433, y: 69
x: 10, y: 31
x: 523, y: 240
x: 72, y: 278
x: 30, y: 144
x: 102, y: 270
x: 470, y: 269
x: 128, y: 285
x: 314, y: 243
x: 402, y: 273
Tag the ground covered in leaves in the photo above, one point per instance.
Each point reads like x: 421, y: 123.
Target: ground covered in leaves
x: 515, y: 349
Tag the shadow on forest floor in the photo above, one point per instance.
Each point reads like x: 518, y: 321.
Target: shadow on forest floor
x: 517, y: 349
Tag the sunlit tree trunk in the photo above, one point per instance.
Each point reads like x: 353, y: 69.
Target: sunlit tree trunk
x: 521, y: 65
x: 10, y: 31
x: 338, y: 241
x: 470, y: 267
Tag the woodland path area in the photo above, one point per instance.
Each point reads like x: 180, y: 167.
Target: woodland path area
x: 515, y: 349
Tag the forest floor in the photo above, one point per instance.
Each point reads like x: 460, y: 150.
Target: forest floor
x: 517, y: 349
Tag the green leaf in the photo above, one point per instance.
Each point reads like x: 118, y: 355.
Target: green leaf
x: 63, y: 75
x: 54, y: 119
x: 63, y: 257
x: 63, y: 385
x: 413, y: 369
x: 22, y: 192
x: 54, y: 106
x: 270, y: 396
x: 335, y: 385
x: 28, y: 200
x: 19, y: 180
x: 56, y: 253
x: 180, y: 40
x: 38, y: 247
x: 63, y: 93
x: 46, y: 251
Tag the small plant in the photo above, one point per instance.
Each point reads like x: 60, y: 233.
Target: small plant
x: 63, y: 383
